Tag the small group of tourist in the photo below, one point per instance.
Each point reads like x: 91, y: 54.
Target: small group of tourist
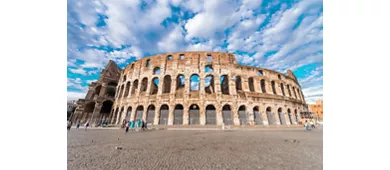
x: 135, y: 125
x: 312, y: 126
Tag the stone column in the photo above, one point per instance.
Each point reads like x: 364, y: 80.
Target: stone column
x: 170, y: 115
x: 156, y: 115
x: 96, y: 113
x: 201, y: 85
x: 236, y: 120
x: 103, y: 90
x: 131, y: 86
x: 133, y: 112
x: 276, y: 115
x: 202, y: 114
x: 232, y: 86
x: 268, y: 87
x: 219, y: 115
x: 149, y: 85
x: 185, y: 115
x: 251, y: 115
x: 217, y: 83
x: 264, y: 117
x: 287, y: 118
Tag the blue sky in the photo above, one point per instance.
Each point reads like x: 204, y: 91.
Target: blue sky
x: 278, y: 35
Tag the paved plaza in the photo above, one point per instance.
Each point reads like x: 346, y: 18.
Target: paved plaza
x: 193, y: 149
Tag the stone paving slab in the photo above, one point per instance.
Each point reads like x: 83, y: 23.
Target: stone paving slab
x: 166, y: 149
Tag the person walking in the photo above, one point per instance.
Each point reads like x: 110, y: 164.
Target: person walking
x: 127, y: 127
x: 132, y: 125
x: 78, y: 124
x: 312, y: 124
x: 86, y: 125
x: 307, y: 126
x: 69, y: 125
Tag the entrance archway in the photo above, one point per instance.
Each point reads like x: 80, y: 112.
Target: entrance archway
x: 88, y: 110
x: 105, y: 111
x: 164, y: 112
x: 178, y: 114
x: 150, y: 114
x: 290, y: 116
x: 139, y: 112
x: 242, y: 115
x: 128, y: 113
x: 281, y: 116
x: 270, y: 116
x: 257, y: 116
x: 227, y: 115
x: 194, y: 115
x: 211, y: 115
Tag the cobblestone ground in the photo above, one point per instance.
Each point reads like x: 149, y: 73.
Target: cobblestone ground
x: 173, y: 149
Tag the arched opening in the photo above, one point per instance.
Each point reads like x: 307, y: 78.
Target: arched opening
x: 110, y: 91
x: 211, y: 115
x: 208, y: 69
x: 121, y: 113
x: 282, y: 88
x: 270, y: 116
x: 194, y: 115
x: 259, y: 72
x: 167, y: 84
x: 296, y: 115
x: 194, y: 81
x: 290, y: 116
x: 180, y: 83
x: 227, y: 115
x: 127, y: 89
x: 251, y: 85
x: 224, y: 84
x: 181, y: 57
x: 112, y: 83
x: 164, y: 112
x: 281, y: 116
x: 97, y: 90
x: 209, y: 84
x: 288, y: 89
x: 257, y: 116
x: 154, y: 86
x: 280, y: 78
x: 209, y: 58
x: 242, y: 115
x: 144, y: 85
x: 156, y: 70
x: 135, y: 87
x: 178, y: 114
x: 139, y: 112
x: 150, y: 114
x: 262, y: 84
x: 169, y: 57
x: 273, y: 87
x: 106, y: 109
x: 124, y: 78
x: 295, y: 94
x: 88, y: 110
x: 238, y: 83
x: 128, y: 113
x: 147, y: 64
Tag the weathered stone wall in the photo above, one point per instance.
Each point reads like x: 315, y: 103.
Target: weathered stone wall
x: 136, y: 90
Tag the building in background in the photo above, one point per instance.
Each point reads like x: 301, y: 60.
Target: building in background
x: 317, y: 109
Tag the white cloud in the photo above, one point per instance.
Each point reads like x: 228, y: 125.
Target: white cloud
x: 78, y: 71
x: 75, y: 95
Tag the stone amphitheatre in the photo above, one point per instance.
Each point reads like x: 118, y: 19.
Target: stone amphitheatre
x: 192, y: 88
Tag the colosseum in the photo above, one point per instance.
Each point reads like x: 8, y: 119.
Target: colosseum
x: 193, y: 88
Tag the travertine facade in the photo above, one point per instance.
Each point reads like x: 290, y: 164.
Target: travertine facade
x: 157, y: 90
x: 97, y: 104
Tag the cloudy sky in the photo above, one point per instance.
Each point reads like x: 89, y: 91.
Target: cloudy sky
x: 278, y: 35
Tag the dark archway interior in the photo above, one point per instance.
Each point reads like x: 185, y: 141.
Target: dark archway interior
x: 194, y: 115
x: 251, y: 84
x: 135, y: 87
x: 209, y: 84
x: 225, y: 84
x: 227, y: 115
x: 150, y: 114
x: 211, y: 115
x: 262, y: 83
x: 167, y: 84
x: 164, y: 112
x: 178, y: 114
